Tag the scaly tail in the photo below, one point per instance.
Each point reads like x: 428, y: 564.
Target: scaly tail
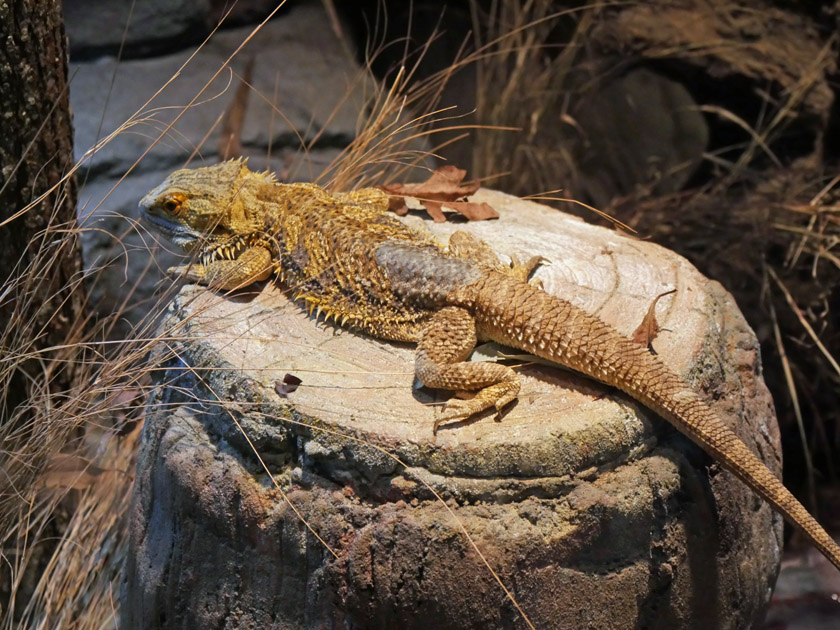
x: 686, y: 411
x: 517, y: 314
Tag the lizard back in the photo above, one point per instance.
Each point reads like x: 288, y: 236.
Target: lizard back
x: 326, y: 248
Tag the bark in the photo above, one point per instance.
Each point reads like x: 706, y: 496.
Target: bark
x: 39, y: 262
x: 39, y: 257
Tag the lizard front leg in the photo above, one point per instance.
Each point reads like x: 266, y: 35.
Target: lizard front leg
x: 445, y: 344
x: 251, y: 265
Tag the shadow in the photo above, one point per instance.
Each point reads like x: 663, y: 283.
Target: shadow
x: 247, y: 294
x: 693, y: 505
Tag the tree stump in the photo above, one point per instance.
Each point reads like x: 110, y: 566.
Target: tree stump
x: 334, y: 506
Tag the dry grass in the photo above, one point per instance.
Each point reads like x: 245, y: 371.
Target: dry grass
x: 774, y: 248
x: 524, y: 80
x: 67, y: 457
x: 67, y: 460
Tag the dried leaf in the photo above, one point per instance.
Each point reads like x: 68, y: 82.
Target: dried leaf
x: 434, y: 209
x: 127, y: 405
x: 472, y: 210
x: 444, y: 188
x: 443, y: 185
x: 70, y: 471
x: 397, y: 205
x: 288, y: 385
x: 649, y: 328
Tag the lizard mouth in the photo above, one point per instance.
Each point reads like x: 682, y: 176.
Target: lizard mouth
x: 180, y: 235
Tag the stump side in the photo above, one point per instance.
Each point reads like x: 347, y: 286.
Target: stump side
x: 591, y: 510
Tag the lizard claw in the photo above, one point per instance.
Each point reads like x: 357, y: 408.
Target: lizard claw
x: 191, y: 273
x: 454, y: 411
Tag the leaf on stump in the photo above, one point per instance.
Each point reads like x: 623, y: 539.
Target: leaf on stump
x: 287, y: 386
x: 649, y: 328
x: 445, y: 188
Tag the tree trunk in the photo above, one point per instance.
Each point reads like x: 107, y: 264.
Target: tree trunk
x: 40, y: 271
x: 39, y: 254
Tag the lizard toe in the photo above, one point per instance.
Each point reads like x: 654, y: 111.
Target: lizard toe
x: 456, y: 410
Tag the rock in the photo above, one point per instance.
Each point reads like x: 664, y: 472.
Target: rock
x: 591, y: 511
x: 760, y: 44
x: 642, y: 131
x: 155, y: 26
x: 670, y: 93
x: 319, y: 92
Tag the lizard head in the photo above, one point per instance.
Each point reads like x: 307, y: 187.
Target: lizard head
x: 194, y: 207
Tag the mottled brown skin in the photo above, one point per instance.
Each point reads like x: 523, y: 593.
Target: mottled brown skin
x: 345, y: 257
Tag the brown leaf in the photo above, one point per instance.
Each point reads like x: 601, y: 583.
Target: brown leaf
x: 444, y: 188
x: 397, y: 205
x: 127, y: 405
x: 435, y: 211
x: 70, y: 471
x: 443, y: 185
x: 649, y: 328
x: 288, y: 385
x: 472, y: 210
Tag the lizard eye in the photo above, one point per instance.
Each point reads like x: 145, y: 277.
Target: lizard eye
x: 172, y: 203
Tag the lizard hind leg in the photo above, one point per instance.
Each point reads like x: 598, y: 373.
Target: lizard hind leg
x: 445, y: 343
x: 465, y: 245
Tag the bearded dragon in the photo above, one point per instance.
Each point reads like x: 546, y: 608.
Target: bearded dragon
x: 346, y: 258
